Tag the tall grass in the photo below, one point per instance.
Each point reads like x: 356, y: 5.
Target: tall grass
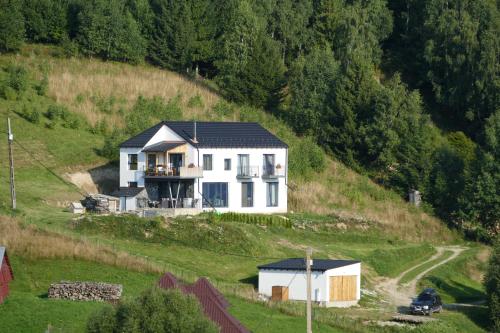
x: 32, y: 243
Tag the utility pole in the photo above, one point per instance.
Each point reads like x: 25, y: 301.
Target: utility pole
x: 309, y: 307
x: 10, y: 139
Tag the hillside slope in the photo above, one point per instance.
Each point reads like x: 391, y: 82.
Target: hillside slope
x: 103, y: 93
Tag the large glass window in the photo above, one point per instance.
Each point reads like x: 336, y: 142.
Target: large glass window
x: 132, y: 161
x: 215, y: 195
x: 246, y: 194
x: 272, y: 194
x: 207, y: 162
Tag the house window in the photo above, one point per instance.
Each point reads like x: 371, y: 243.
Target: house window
x: 244, y: 165
x: 132, y: 184
x: 215, y: 195
x: 132, y: 161
x: 246, y: 194
x: 269, y: 164
x: 207, y: 162
x: 272, y: 194
x: 227, y: 164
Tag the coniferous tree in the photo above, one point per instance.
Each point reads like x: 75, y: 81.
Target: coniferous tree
x: 12, y: 26
x: 107, y: 29
x: 46, y: 20
x: 492, y: 286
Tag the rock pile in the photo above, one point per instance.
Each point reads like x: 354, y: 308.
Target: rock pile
x: 85, y: 291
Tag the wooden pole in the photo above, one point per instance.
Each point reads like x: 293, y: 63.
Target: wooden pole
x: 309, y: 306
x: 10, y: 139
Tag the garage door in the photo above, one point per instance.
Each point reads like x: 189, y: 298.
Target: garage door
x: 343, y: 288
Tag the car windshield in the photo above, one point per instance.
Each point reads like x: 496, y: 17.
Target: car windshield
x: 425, y: 297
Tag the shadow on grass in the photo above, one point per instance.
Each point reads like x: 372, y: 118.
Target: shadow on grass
x: 43, y: 296
x: 253, y: 280
x: 459, y: 291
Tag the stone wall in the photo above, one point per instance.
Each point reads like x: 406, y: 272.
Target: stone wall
x: 85, y: 291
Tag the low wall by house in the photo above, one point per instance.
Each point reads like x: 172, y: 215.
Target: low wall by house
x: 85, y: 291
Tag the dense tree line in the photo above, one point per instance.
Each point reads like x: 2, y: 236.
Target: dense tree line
x: 406, y: 91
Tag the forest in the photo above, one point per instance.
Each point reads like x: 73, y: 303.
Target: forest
x: 405, y: 91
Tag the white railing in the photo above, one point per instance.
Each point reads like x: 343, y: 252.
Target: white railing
x: 273, y: 171
x: 247, y: 171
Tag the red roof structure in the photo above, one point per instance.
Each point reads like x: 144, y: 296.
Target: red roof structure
x: 6, y: 274
x: 213, y: 302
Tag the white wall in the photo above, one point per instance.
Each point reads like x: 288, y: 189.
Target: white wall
x: 296, y: 282
x: 127, y: 175
x: 218, y: 174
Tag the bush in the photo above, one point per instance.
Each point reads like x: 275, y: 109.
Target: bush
x: 15, y: 81
x: 59, y: 114
x: 155, y: 311
x: 195, y: 102
x: 492, y: 286
x: 267, y: 220
x: 29, y: 113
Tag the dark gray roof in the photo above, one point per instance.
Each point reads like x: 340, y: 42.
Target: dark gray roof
x: 162, y: 146
x: 214, y: 135
x: 142, y: 138
x: 128, y: 191
x: 298, y: 264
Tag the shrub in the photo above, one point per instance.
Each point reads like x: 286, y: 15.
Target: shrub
x: 14, y: 83
x: 267, y: 220
x: 195, y: 102
x: 223, y: 108
x: 59, y: 114
x: 492, y: 286
x: 156, y: 310
x: 29, y: 113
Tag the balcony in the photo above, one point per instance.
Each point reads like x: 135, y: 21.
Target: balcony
x: 273, y: 171
x: 247, y: 171
x: 161, y: 172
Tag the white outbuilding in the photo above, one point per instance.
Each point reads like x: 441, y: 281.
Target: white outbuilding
x: 76, y: 208
x: 333, y: 282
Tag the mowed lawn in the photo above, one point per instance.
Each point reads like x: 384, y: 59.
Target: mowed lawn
x: 27, y: 309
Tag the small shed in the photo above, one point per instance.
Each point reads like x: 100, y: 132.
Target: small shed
x: 131, y: 198
x: 76, y: 208
x: 333, y: 282
x: 6, y: 274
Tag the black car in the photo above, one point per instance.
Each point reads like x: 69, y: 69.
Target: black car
x: 426, y: 303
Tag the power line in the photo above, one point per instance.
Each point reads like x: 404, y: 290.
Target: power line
x: 49, y: 169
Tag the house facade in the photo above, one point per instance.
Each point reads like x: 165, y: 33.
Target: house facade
x: 204, y: 166
x: 335, y: 283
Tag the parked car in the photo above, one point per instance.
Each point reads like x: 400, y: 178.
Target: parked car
x: 426, y: 303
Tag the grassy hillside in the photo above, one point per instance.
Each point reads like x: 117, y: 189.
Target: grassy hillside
x: 337, y: 212
x: 96, y: 90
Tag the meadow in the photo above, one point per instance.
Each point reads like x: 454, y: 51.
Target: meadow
x: 336, y: 211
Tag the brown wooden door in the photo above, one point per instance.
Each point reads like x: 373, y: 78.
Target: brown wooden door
x: 279, y: 293
x: 343, y: 288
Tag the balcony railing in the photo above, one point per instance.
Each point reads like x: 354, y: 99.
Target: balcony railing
x: 247, y: 171
x: 273, y: 171
x: 182, y: 172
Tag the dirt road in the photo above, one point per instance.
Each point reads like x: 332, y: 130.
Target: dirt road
x: 401, y: 295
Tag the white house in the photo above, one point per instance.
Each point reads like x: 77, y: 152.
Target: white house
x: 333, y: 282
x: 195, y: 166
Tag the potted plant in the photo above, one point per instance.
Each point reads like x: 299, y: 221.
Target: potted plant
x: 191, y: 165
x: 278, y: 166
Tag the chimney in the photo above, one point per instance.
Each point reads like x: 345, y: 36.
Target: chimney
x: 195, y: 140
